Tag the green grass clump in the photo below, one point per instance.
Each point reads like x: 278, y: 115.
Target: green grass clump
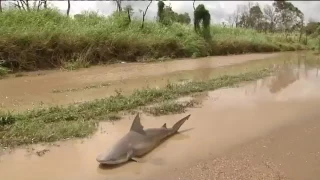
x: 73, y: 43
x: 3, y: 71
x: 170, y: 107
x: 56, y: 123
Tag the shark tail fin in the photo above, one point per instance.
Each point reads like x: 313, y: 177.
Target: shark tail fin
x: 178, y: 124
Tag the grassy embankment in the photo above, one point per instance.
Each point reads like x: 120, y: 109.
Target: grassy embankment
x: 56, y: 123
x: 46, y: 39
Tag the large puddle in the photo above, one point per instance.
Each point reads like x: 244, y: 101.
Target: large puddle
x: 62, y: 87
x: 228, y: 117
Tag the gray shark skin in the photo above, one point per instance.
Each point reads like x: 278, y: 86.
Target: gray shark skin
x: 138, y: 142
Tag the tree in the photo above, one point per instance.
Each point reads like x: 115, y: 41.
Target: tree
x: 160, y: 12
x: 201, y: 14
x: 22, y: 4
x: 0, y: 6
x: 194, y: 8
x: 184, y: 18
x: 312, y: 27
x: 287, y: 15
x: 234, y: 18
x: 144, y: 14
x: 25, y: 4
x: 119, y: 7
x: 167, y: 16
x: 244, y: 15
x: 270, y: 16
x: 42, y: 3
x: 255, y: 17
x: 69, y: 6
x: 129, y: 11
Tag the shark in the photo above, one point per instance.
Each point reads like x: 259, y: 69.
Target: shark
x: 138, y: 142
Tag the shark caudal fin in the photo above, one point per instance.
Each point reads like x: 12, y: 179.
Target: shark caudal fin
x: 136, y: 125
x: 178, y: 124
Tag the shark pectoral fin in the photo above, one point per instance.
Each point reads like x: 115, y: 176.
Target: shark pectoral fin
x: 164, y: 125
x: 136, y: 125
x: 129, y: 156
x: 135, y: 159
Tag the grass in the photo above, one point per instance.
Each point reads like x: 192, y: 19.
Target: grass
x: 63, y: 42
x: 57, y: 123
x: 3, y: 71
x: 170, y: 107
x: 79, y: 89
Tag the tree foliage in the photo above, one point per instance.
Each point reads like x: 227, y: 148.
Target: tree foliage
x: 167, y: 16
x: 160, y: 13
x: 27, y: 6
x: 289, y: 17
x: 312, y: 28
x: 202, y: 15
x: 280, y: 16
x: 129, y: 10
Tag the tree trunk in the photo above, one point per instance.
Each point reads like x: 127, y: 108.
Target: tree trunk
x: 144, y: 15
x: 194, y: 8
x: 68, y: 11
x: 129, y: 16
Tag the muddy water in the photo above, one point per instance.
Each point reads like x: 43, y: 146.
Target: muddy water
x: 32, y: 91
x: 227, y: 118
x: 289, y: 153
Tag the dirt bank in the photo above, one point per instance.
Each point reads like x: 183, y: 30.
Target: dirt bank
x: 227, y: 119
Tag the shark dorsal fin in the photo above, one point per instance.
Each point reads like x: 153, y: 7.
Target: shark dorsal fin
x: 164, y: 125
x: 136, y: 125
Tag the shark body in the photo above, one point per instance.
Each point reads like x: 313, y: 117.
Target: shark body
x: 138, y: 142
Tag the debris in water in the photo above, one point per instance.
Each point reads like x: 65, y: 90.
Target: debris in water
x: 42, y: 152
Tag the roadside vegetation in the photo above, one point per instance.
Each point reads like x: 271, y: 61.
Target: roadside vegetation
x: 170, y: 107
x: 3, y: 71
x: 75, y: 42
x: 57, y: 123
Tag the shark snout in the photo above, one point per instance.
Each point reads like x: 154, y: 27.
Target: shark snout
x: 107, y: 159
x: 101, y: 158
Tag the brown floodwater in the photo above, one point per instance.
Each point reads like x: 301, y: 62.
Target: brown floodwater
x: 227, y: 118
x: 65, y: 87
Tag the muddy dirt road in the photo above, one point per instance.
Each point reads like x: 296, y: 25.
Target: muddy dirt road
x: 62, y: 87
x: 268, y: 129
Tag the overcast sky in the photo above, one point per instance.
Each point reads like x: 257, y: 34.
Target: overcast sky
x: 219, y: 10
